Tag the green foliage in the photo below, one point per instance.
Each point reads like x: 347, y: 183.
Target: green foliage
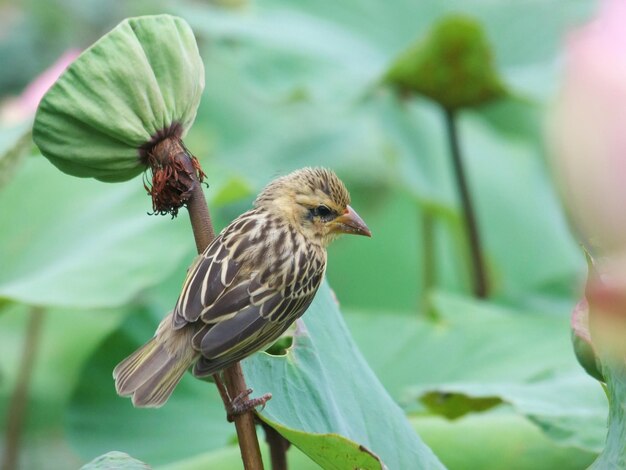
x: 614, y: 454
x: 115, y: 461
x: 541, y: 367
x: 496, y: 440
x: 311, y: 375
x: 96, y: 408
x: 293, y: 84
x: 327, y: 388
x: 78, y: 232
x: 453, y: 66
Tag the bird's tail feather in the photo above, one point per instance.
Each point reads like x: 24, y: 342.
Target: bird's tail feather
x: 151, y: 373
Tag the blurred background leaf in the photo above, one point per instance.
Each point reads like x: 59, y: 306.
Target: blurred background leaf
x: 288, y: 85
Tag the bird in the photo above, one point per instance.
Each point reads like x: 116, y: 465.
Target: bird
x: 250, y: 284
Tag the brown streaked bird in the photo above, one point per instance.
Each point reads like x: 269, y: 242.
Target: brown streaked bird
x: 252, y: 282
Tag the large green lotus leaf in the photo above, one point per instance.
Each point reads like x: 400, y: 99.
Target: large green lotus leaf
x: 569, y: 408
x: 388, y: 142
x: 513, y: 196
x: 327, y: 418
x: 325, y: 395
x: 324, y: 49
x: 614, y: 453
x: 115, y: 460
x: 141, y: 79
x: 192, y: 422
x: 489, y: 441
x: 229, y: 458
x: 494, y: 162
x: 480, y: 355
x: 496, y: 440
x: 67, y: 339
x: 75, y: 243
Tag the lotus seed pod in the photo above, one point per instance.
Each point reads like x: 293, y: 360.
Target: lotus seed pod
x: 138, y: 84
x: 453, y: 65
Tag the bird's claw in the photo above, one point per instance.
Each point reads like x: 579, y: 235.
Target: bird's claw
x: 242, y: 404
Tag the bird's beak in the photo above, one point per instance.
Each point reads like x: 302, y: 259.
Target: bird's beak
x: 350, y: 222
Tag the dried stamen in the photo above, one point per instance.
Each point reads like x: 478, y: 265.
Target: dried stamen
x: 171, y: 184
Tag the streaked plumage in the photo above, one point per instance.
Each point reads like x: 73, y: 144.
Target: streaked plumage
x: 259, y: 275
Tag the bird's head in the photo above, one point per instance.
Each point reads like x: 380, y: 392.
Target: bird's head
x: 315, y: 202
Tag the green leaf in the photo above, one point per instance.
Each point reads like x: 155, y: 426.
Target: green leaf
x: 233, y: 190
x: 569, y: 408
x: 14, y: 143
x: 479, y: 351
x: 330, y: 451
x: 324, y: 417
x: 614, y: 453
x: 74, y: 243
x: 325, y: 395
x: 115, y: 461
x: 192, y: 422
x: 229, y: 458
x: 143, y: 78
x: 455, y: 405
x: 68, y: 338
x: 496, y: 440
x: 453, y: 66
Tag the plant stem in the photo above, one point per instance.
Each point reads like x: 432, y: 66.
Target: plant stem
x: 204, y: 233
x: 19, y: 399
x: 429, y: 271
x: 614, y: 453
x: 246, y: 429
x: 481, y: 287
x: 278, y: 447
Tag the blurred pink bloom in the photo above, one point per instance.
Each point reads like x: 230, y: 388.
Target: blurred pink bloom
x: 588, y: 131
x: 24, y: 106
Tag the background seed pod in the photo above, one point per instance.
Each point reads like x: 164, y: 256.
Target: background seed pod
x: 140, y: 82
x: 452, y: 65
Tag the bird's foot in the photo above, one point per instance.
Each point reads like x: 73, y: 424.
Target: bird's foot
x: 242, y: 404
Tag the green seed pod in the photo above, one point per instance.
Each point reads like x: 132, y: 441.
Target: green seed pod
x: 137, y: 85
x: 453, y: 65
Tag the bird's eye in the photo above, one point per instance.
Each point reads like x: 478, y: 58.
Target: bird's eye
x: 322, y: 211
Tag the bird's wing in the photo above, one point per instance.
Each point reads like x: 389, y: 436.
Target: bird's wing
x: 244, y: 308
x: 254, y: 313
x: 216, y: 270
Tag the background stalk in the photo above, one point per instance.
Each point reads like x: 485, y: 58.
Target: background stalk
x: 204, y: 233
x: 278, y: 447
x: 479, y: 274
x: 19, y: 399
x: 429, y: 263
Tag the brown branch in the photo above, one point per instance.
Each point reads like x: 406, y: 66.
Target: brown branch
x: 173, y: 149
x: 278, y: 447
x: 246, y: 430
x: 19, y: 399
x: 481, y: 286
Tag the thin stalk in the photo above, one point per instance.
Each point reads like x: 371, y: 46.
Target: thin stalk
x: 204, y: 233
x: 19, y: 399
x: 428, y: 261
x: 479, y: 277
x: 246, y: 429
x: 278, y: 447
